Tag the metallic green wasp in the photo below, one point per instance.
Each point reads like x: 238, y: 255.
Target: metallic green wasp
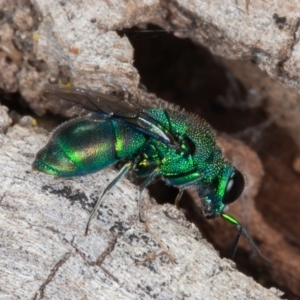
x: 154, y: 143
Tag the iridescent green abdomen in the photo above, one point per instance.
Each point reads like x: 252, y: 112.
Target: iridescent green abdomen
x: 85, y: 145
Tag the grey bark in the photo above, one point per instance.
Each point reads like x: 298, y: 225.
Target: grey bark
x: 76, y: 42
x: 45, y: 255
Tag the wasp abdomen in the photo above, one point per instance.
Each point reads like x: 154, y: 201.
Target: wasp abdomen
x: 84, y: 145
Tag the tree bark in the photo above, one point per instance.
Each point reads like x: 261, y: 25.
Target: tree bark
x: 76, y: 42
x: 43, y: 219
x: 45, y: 255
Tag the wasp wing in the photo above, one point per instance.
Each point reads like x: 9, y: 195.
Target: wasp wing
x: 109, y: 106
x: 90, y: 100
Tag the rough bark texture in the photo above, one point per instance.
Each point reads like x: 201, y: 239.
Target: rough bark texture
x: 45, y: 255
x: 281, y: 103
x: 76, y: 43
x: 267, y: 31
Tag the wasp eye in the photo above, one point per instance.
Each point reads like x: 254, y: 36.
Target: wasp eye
x: 234, y: 188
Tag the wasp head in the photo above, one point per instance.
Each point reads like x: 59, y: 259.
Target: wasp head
x: 223, y: 190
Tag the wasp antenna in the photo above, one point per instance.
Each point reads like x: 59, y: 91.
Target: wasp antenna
x: 242, y: 231
x: 236, y: 242
x: 252, y: 245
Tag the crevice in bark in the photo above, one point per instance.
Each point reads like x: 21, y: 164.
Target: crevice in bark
x: 114, y: 278
x: 108, y: 250
x: 51, y: 275
x: 111, y: 246
x: 79, y: 252
x: 281, y: 63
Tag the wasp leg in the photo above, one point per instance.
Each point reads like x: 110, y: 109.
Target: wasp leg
x: 122, y: 172
x: 142, y: 187
x: 177, y: 199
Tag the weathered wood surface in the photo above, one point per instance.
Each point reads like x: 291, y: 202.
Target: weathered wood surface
x: 76, y: 41
x: 266, y: 30
x: 45, y: 255
x: 77, y: 38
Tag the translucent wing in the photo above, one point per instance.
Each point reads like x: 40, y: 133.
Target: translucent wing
x: 112, y: 107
